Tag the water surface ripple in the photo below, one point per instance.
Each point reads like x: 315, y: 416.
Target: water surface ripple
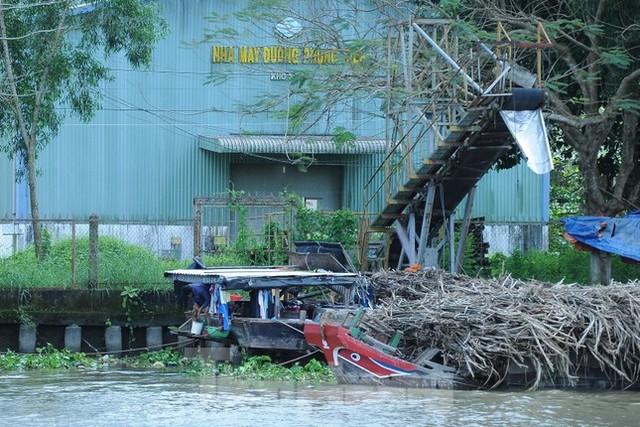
x: 133, y: 398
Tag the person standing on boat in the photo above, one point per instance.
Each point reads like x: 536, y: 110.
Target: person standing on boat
x: 201, y: 300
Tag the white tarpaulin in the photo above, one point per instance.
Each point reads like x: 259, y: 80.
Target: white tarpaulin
x: 530, y: 133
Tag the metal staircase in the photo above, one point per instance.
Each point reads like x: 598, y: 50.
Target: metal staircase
x: 445, y: 132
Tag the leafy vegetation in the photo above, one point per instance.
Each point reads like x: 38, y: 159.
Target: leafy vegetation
x: 560, y: 263
x: 50, y: 67
x: 270, y: 246
x: 335, y: 226
x: 120, y: 264
x: 568, y: 266
x: 252, y: 247
x: 45, y: 358
x: 262, y: 368
x: 132, y: 269
x: 255, y: 367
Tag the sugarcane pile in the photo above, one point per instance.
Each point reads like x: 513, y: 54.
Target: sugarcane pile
x: 483, y: 326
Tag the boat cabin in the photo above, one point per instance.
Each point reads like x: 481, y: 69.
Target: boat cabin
x: 266, y: 307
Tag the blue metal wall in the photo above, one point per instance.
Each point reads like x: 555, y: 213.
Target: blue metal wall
x: 513, y: 195
x: 6, y: 186
x: 139, y: 157
x: 359, y: 186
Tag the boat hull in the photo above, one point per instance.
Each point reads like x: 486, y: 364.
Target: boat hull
x: 355, y: 362
x: 280, y: 334
x: 348, y: 373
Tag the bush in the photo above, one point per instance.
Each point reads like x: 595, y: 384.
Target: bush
x: 336, y: 226
x: 567, y: 265
x: 120, y: 263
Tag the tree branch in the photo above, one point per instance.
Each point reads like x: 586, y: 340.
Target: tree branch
x: 623, y: 89
x: 43, y: 82
x: 11, y: 80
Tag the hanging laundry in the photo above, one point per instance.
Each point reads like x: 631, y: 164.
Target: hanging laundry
x: 214, y: 298
x: 263, y: 302
x: 225, y: 296
x: 224, y: 316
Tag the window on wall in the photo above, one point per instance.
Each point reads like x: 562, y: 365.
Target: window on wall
x: 311, y: 203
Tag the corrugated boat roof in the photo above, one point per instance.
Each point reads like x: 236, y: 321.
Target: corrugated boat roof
x: 288, y: 144
x: 263, y: 278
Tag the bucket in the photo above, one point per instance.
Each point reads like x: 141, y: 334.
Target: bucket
x: 196, y: 327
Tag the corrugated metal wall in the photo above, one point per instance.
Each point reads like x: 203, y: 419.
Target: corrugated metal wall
x: 139, y: 157
x: 513, y: 195
x: 358, y: 190
x: 6, y: 186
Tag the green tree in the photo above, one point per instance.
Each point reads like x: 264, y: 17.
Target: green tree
x: 50, y: 65
x: 592, y: 75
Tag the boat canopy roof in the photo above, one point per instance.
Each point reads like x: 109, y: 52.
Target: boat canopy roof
x: 248, y: 278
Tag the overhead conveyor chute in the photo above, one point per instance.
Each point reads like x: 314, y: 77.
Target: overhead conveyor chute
x: 522, y: 113
x: 462, y: 105
x: 530, y: 133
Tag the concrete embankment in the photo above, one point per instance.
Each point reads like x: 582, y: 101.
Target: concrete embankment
x: 91, y: 321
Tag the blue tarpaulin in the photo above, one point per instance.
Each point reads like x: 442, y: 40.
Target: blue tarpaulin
x: 619, y: 236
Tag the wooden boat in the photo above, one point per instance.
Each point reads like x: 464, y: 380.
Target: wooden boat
x: 361, y: 354
x: 274, y: 302
x: 356, y: 357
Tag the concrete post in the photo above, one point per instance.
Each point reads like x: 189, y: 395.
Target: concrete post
x: 154, y: 338
x: 73, y: 338
x: 113, y: 339
x: 197, y: 228
x: 27, y: 339
x: 235, y: 355
x: 600, y: 264
x: 93, y: 251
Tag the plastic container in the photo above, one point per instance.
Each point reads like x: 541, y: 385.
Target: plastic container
x: 196, y: 327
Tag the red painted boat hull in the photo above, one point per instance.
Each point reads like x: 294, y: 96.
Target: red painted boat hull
x: 355, y: 362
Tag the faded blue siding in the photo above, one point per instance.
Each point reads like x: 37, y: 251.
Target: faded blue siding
x: 6, y: 187
x: 512, y: 195
x: 357, y: 189
x: 139, y: 157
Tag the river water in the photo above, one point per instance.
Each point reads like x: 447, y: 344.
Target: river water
x: 134, y: 398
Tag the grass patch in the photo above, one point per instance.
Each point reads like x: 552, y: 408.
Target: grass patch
x: 123, y: 265
x: 119, y: 264
x: 569, y: 266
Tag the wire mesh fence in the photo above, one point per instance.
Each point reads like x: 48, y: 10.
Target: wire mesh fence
x: 507, y: 238
x: 137, y: 253
x: 231, y: 228
x: 244, y: 224
x: 244, y: 230
x: 164, y: 239
x: 222, y: 228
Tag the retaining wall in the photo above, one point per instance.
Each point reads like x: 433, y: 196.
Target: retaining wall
x: 51, y: 315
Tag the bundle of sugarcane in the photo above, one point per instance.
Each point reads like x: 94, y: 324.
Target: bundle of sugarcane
x: 482, y: 326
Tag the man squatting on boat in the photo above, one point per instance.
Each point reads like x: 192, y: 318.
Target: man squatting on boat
x: 201, y: 300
